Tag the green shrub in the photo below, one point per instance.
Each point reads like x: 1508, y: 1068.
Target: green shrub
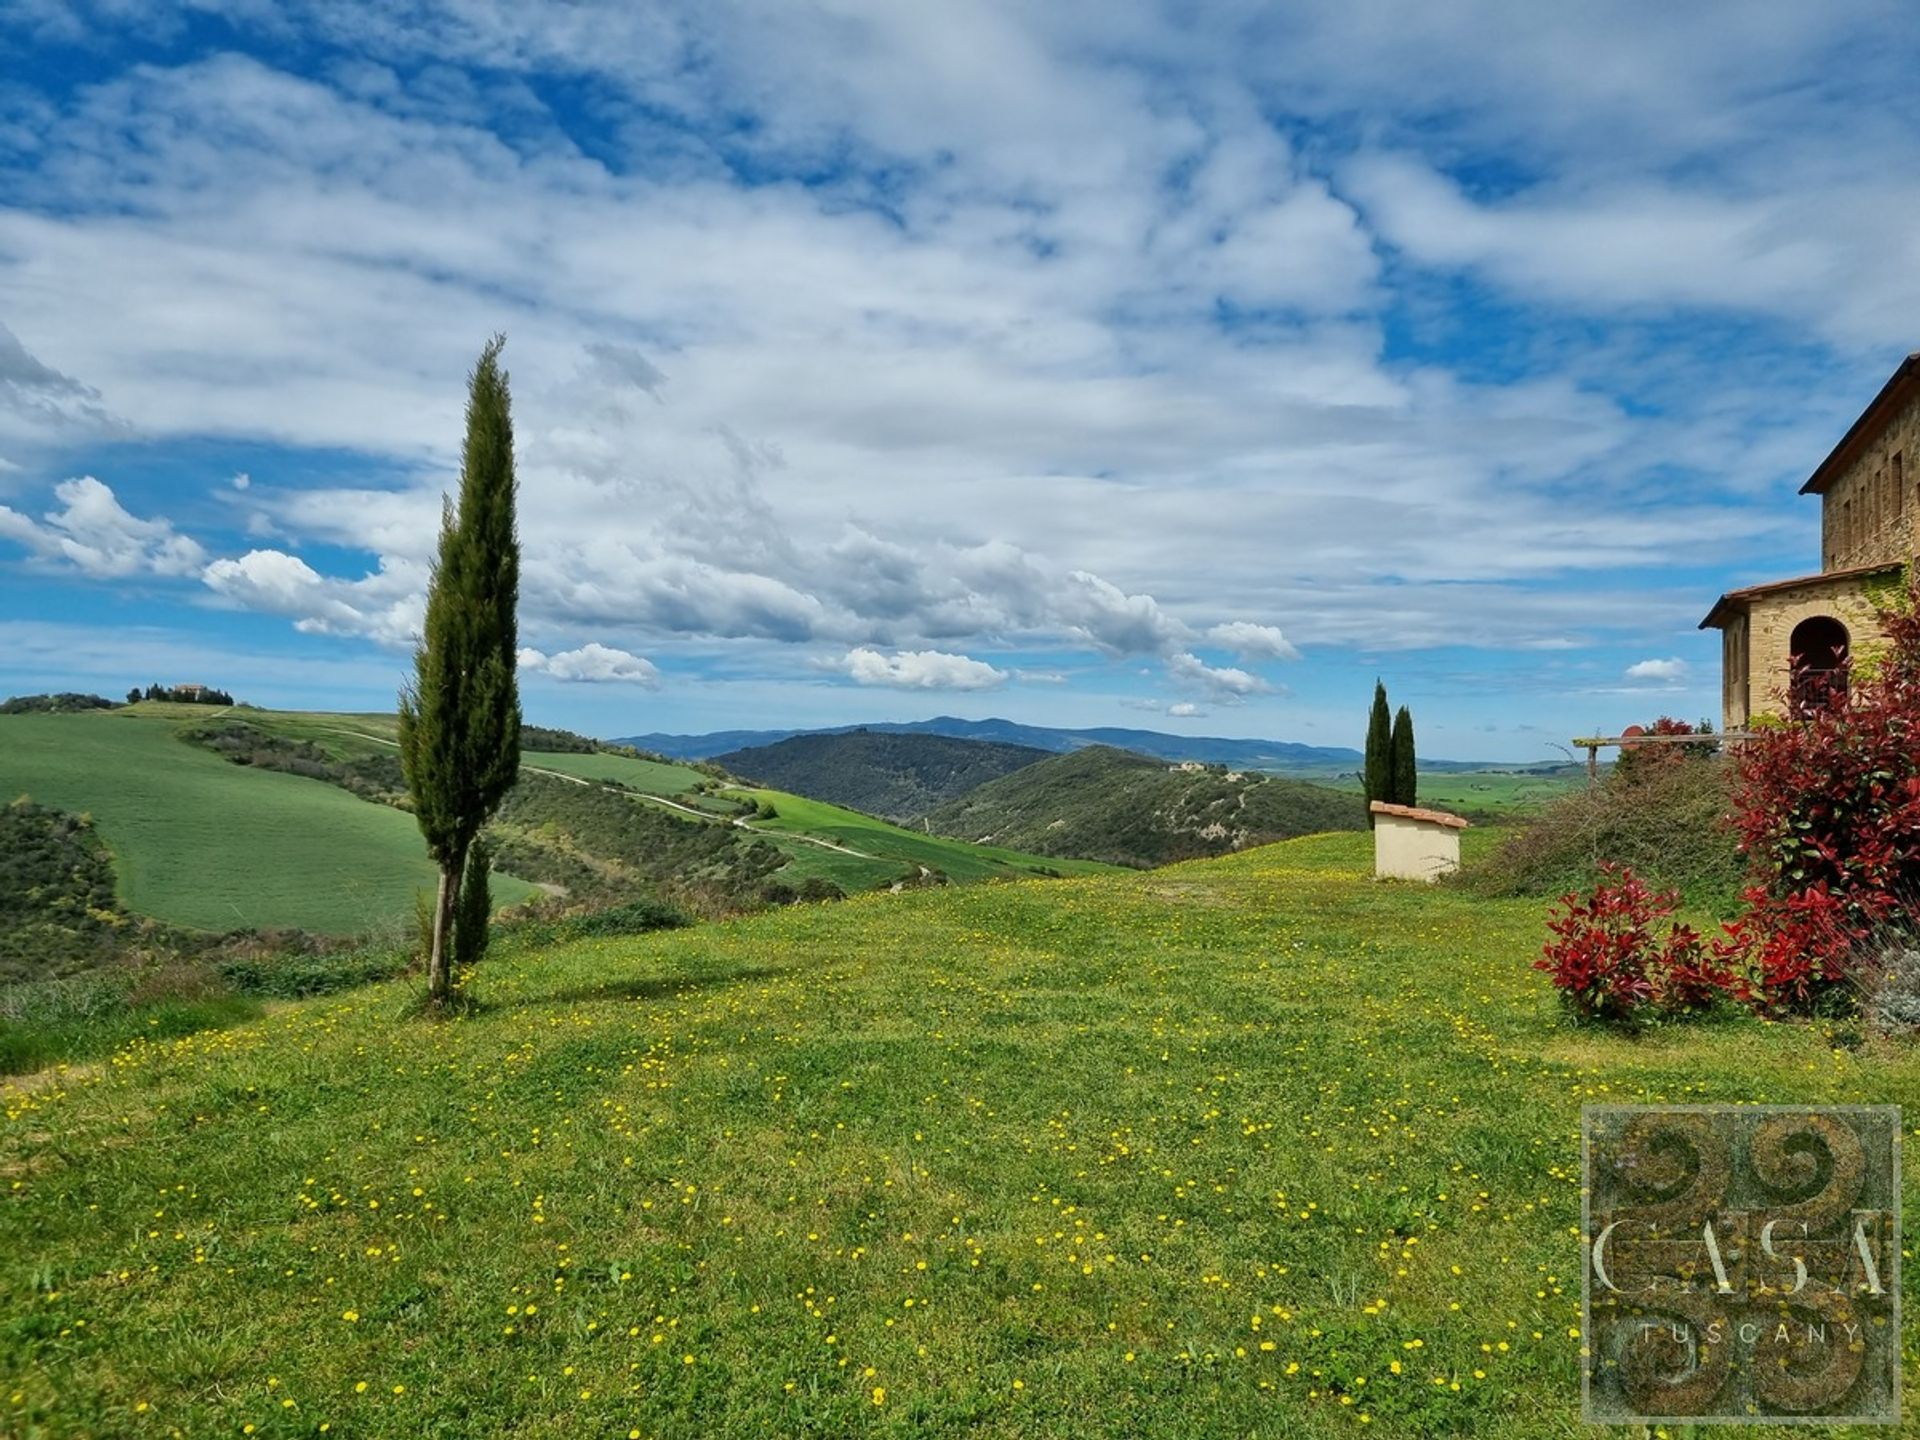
x: 1666, y: 822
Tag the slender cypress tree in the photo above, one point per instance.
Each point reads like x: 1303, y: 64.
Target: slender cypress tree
x: 460, y: 718
x: 1377, y: 775
x: 1406, y: 779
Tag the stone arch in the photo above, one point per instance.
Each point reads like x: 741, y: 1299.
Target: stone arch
x: 1820, y: 652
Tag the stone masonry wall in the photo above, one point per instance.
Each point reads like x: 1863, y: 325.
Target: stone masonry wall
x: 1870, y: 514
x: 1771, y: 622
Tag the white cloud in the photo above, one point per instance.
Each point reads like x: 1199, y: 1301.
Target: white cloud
x: 1224, y: 683
x: 594, y: 663
x: 1186, y: 710
x: 1097, y: 359
x: 1253, y: 642
x: 241, y: 480
x: 1671, y: 670
x: 97, y: 535
x: 386, y: 606
x: 920, y: 670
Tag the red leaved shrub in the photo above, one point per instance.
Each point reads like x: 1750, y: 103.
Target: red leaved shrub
x: 1607, y: 962
x: 1826, y: 808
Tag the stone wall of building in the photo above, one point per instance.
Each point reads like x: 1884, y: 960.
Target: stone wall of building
x: 1771, y: 620
x: 1870, y: 513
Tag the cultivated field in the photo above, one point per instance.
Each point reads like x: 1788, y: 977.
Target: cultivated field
x: 210, y: 845
x: 1253, y: 1146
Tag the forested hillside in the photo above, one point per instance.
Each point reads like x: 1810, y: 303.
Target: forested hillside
x: 1105, y: 804
x: 897, y: 776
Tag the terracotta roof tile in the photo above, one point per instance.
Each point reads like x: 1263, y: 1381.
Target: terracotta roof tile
x: 1414, y: 812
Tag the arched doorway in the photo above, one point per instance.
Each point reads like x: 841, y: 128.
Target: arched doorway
x: 1818, y: 651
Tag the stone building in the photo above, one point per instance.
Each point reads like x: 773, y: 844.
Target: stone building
x: 1787, y: 643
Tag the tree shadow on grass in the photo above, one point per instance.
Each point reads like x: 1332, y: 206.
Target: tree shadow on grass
x: 659, y: 987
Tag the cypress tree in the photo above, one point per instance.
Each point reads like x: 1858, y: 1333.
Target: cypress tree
x: 475, y: 910
x: 460, y: 718
x: 1377, y: 774
x: 1406, y: 779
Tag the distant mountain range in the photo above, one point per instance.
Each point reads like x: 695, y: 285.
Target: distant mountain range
x: 1275, y: 755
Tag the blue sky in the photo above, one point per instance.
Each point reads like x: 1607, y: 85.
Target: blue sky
x: 1086, y: 364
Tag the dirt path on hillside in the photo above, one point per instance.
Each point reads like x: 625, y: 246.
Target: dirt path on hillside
x: 697, y: 814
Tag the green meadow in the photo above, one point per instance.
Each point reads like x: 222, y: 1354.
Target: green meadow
x: 205, y: 844
x: 1254, y: 1146
x: 958, y: 859
x: 1493, y: 792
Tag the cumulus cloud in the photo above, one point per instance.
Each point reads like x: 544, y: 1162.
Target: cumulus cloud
x: 1669, y: 670
x: 97, y: 535
x: 1116, y: 622
x: 920, y: 670
x: 594, y: 663
x: 387, y: 606
x: 1223, y: 682
x: 1186, y: 710
x: 1253, y: 642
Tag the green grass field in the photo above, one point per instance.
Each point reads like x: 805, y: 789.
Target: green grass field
x: 209, y: 845
x: 1499, y: 792
x: 1253, y: 1146
x: 959, y: 859
x: 650, y: 777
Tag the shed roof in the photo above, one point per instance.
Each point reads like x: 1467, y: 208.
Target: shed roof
x: 1414, y: 812
x: 1737, y: 599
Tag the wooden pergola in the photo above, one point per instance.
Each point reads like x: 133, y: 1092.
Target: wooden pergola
x: 1592, y: 744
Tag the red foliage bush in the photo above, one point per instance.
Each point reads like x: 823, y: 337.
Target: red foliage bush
x: 1607, y: 964
x: 1827, y: 811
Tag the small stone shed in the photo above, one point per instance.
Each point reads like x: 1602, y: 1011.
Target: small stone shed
x: 1414, y: 844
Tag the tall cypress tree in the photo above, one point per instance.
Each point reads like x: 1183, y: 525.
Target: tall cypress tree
x: 460, y: 718
x: 1406, y: 778
x: 1377, y: 775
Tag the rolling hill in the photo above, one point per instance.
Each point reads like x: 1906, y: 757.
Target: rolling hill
x: 1275, y: 756
x: 209, y: 845
x: 889, y: 773
x: 227, y: 819
x: 1100, y: 803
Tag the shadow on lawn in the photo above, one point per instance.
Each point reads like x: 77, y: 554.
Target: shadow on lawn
x: 662, y: 987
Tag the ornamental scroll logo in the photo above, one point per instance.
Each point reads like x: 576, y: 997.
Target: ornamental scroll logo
x: 1742, y: 1264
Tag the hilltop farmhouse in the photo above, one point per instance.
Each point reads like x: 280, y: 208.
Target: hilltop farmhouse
x: 1788, y: 643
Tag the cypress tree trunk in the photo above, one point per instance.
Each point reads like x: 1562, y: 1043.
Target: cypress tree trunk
x: 439, y: 963
x: 1376, y: 775
x: 1406, y: 779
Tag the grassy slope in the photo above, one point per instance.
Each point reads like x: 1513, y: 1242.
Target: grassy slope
x: 957, y: 858
x: 203, y: 843
x: 1027, y: 1158
x: 650, y: 777
x: 1118, y: 806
